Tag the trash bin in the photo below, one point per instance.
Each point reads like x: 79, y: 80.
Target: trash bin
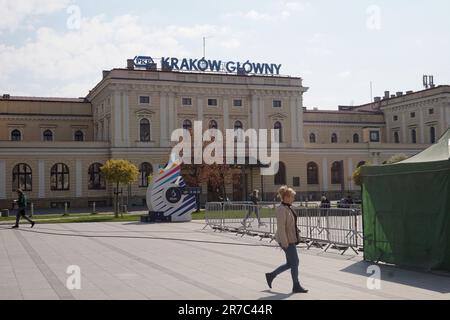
x: 5, y: 213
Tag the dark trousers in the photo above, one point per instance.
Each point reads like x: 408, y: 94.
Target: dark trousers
x: 292, y: 263
x: 252, y: 209
x: 21, y: 213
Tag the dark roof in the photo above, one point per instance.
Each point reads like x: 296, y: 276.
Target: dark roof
x: 44, y: 99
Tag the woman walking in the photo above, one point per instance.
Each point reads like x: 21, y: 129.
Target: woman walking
x: 288, y: 238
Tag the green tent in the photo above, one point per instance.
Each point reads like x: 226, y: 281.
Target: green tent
x: 406, y: 210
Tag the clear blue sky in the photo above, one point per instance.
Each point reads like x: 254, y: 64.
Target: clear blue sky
x: 338, y: 47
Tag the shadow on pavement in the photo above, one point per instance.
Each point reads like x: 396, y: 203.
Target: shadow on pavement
x: 276, y: 296
x: 408, y: 277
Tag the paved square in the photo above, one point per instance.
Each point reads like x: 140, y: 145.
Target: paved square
x: 183, y: 261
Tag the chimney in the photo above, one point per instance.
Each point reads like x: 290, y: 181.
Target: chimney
x: 409, y: 92
x: 399, y: 93
x: 105, y: 73
x: 386, y: 94
x: 130, y: 64
x: 6, y: 96
x: 377, y: 99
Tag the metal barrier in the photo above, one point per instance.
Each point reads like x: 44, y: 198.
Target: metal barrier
x: 330, y: 227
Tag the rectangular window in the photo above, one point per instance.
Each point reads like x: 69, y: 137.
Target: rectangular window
x: 296, y: 182
x: 186, y: 102
x: 237, y: 103
x: 374, y: 136
x: 430, y: 111
x: 212, y: 102
x: 395, y: 118
x: 413, y: 114
x: 144, y: 100
x: 277, y: 103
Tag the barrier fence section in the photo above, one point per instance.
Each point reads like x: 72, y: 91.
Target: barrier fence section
x: 322, y: 227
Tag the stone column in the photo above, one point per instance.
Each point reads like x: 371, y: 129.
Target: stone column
x: 117, y: 116
x: 172, y: 114
x: 293, y: 116
x: 163, y: 122
x: 126, y: 120
x: 350, y: 173
x: 41, y: 179
x: 100, y: 131
x: 262, y: 114
x: 300, y: 137
x: 78, y: 179
x: 200, y: 106
x: 106, y: 129
x: 254, y: 112
x: 226, y: 116
x: 388, y: 117
x: 421, y: 127
x: 404, y: 138
x: 2, y: 179
x: 325, y: 174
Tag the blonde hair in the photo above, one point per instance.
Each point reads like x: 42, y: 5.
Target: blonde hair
x: 284, y: 191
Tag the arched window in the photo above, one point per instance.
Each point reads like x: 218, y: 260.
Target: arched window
x: 145, y: 170
x: 313, y: 173
x: 334, y: 138
x: 145, y: 130
x: 280, y: 177
x: 396, y: 137
x: 362, y: 163
x: 59, y: 177
x: 48, y: 135
x: 238, y: 125
x: 96, y: 178
x: 187, y: 124
x: 79, y: 136
x: 356, y: 138
x: 312, y: 138
x: 279, y: 136
x: 238, y: 128
x: 22, y: 177
x: 413, y: 136
x: 433, y: 135
x: 16, y: 135
x: 213, y: 124
x: 336, y: 173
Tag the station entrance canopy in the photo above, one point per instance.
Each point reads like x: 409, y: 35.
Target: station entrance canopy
x: 406, y: 210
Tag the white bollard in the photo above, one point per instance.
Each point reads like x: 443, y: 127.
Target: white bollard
x: 65, y: 209
x: 93, y: 208
x: 32, y: 210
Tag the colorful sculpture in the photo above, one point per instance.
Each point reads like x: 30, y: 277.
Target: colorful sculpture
x: 168, y: 198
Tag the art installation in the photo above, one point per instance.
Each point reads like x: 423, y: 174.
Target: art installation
x: 168, y: 197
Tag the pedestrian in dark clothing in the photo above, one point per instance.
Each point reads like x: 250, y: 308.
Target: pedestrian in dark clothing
x: 254, y: 198
x: 325, y: 203
x: 21, y: 204
x: 288, y: 238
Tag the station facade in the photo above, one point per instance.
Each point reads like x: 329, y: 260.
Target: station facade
x: 53, y: 148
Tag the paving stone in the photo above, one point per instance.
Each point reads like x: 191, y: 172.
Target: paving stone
x: 182, y: 261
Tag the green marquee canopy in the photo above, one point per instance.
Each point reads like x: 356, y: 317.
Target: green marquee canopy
x: 406, y: 210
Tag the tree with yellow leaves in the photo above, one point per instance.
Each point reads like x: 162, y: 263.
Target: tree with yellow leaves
x: 119, y: 172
